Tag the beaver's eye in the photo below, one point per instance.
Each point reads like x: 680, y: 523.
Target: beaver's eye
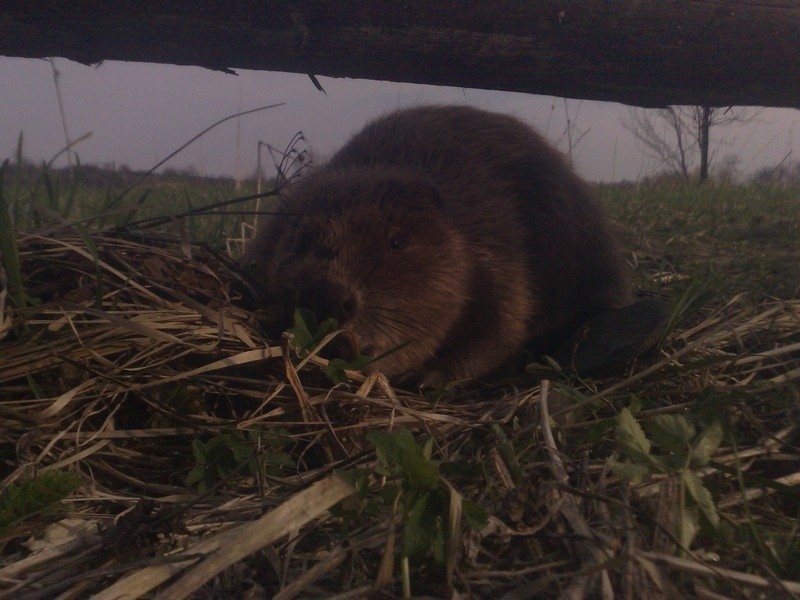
x: 396, y: 242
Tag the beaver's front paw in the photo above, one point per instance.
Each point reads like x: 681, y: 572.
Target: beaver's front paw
x: 432, y: 379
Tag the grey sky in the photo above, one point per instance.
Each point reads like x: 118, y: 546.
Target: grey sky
x: 139, y: 113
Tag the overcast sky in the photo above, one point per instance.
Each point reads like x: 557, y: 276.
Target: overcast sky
x: 139, y: 113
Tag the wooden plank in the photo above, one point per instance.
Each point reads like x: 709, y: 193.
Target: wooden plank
x: 646, y: 52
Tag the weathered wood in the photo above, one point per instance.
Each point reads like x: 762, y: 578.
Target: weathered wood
x: 645, y: 52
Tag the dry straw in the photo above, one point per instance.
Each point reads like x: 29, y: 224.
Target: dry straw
x: 131, y: 353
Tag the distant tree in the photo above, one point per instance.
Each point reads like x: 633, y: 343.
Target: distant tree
x: 726, y: 170
x: 785, y: 173
x: 680, y: 136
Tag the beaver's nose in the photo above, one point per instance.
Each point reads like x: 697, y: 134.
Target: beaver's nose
x: 330, y: 299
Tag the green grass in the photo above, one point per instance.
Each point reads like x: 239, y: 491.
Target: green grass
x: 136, y: 373
x: 744, y: 238
x: 38, y: 198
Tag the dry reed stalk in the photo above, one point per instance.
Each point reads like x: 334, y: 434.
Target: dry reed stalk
x: 130, y: 355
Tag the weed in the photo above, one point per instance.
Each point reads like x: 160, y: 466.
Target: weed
x: 28, y: 498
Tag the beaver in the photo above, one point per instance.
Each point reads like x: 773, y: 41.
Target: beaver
x: 443, y: 239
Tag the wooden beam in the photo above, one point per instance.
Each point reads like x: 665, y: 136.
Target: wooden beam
x: 642, y: 52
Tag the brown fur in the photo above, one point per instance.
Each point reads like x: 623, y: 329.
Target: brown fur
x: 450, y: 235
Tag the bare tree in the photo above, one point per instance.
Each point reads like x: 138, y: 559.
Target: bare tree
x: 680, y: 136
x: 572, y: 135
x: 726, y: 170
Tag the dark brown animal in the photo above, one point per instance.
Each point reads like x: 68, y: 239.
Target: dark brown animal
x: 443, y: 240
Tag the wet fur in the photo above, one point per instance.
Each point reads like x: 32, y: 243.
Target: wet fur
x: 451, y: 235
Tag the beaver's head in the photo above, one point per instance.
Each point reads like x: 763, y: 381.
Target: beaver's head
x: 375, y: 250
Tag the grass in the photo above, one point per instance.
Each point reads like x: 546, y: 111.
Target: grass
x: 100, y: 199
x: 211, y: 462
x: 743, y: 238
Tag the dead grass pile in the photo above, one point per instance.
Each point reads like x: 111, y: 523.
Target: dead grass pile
x: 213, y: 464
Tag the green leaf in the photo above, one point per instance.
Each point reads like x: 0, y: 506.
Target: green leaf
x: 688, y: 526
x: 673, y: 433
x: 631, y: 438
x: 635, y: 404
x: 671, y: 463
x: 508, y: 452
x: 306, y: 332
x: 217, y: 451
x: 424, y: 527
x: 199, y: 451
x: 196, y: 475
x: 304, y: 324
x: 476, y: 516
x: 706, y: 444
x: 417, y: 535
x: 242, y: 449
x: 438, y: 543
x: 9, y: 251
x: 701, y: 495
x: 399, y: 453
x: 327, y: 327
x: 335, y: 371
x: 633, y: 472
x: 250, y: 452
x: 26, y: 498
x: 358, y: 478
x: 427, y: 449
